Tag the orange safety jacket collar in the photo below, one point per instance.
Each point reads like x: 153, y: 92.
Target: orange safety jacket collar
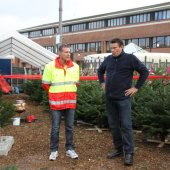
x: 59, y: 65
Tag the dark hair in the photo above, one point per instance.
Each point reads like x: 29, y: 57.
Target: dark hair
x: 63, y: 46
x: 117, y: 40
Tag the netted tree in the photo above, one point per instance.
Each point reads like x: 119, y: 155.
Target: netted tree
x: 91, y: 103
x: 7, y: 111
x: 151, y: 109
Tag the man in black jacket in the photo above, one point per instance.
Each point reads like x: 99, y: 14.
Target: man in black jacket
x: 119, y: 68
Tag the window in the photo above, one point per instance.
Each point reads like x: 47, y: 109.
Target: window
x: 111, y: 22
x: 78, y: 47
x: 168, y: 14
x: 139, y: 18
x: 86, y: 47
x: 150, y: 42
x: 35, y: 34
x: 145, y: 18
x: 108, y: 46
x: 167, y: 41
x: 165, y: 14
x: 142, y: 42
x: 94, y: 47
x: 147, y: 43
x: 96, y: 24
x: 72, y: 48
x: 50, y: 48
x: 129, y: 41
x: 135, y: 41
x: 49, y: 31
x: 116, y: 22
x: 81, y: 47
x: 65, y: 29
x: 134, y: 19
x: 25, y: 34
x: 91, y: 47
x: 158, y: 42
x: 57, y: 30
x: 78, y: 27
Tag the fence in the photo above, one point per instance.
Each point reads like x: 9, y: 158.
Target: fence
x: 153, y: 61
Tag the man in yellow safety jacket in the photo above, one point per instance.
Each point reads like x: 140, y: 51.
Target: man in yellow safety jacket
x: 60, y: 79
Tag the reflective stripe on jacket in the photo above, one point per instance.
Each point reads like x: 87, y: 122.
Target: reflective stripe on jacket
x: 61, y: 84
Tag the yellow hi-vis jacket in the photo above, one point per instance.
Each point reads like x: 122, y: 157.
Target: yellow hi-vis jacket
x: 61, y: 84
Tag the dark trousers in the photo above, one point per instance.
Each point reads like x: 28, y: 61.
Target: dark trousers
x: 55, y: 128
x: 120, y: 123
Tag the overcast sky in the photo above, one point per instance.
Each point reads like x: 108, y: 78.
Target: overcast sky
x: 19, y: 14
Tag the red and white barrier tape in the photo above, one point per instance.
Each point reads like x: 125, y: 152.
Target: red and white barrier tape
x: 38, y: 77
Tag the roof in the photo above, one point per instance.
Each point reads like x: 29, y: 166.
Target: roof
x: 133, y: 48
x: 153, y: 57
x: 25, y: 49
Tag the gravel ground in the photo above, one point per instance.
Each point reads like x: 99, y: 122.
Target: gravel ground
x: 31, y: 148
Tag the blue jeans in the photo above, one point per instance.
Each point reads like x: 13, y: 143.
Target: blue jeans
x: 69, y: 125
x: 120, y: 123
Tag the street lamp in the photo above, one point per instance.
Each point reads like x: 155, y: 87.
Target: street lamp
x: 58, y: 40
x: 60, y: 20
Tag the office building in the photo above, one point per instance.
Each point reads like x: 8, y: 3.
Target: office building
x: 147, y: 27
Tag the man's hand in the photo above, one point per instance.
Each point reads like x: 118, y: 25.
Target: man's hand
x: 103, y: 86
x: 131, y: 91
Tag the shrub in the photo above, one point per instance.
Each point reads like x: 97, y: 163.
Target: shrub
x: 151, y: 110
x: 7, y: 111
x: 1, y: 93
x: 45, y: 101
x: 34, y: 90
x: 91, y: 103
x: 36, y: 93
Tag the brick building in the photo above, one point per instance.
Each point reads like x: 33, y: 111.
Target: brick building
x: 147, y: 27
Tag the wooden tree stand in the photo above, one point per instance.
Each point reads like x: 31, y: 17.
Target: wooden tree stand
x: 160, y: 143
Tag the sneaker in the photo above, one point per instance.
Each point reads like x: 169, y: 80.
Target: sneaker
x: 114, y: 153
x: 53, y: 156
x: 72, y: 154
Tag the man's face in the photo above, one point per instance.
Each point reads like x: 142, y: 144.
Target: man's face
x: 116, y: 49
x: 65, y: 54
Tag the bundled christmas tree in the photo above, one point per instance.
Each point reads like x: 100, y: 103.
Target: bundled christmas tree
x: 91, y: 103
x: 7, y: 111
x: 151, y: 109
x: 34, y: 90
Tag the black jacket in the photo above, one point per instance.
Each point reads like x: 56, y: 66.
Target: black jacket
x: 119, y: 74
